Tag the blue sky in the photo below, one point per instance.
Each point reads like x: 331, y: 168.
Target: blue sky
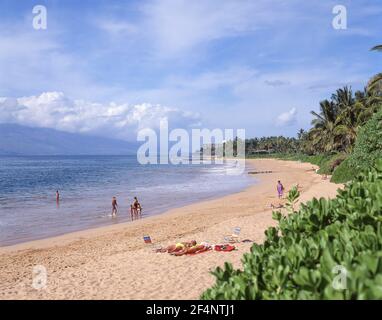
x: 111, y: 67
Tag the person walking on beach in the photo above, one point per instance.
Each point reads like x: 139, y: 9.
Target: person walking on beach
x: 114, y: 205
x: 280, y: 189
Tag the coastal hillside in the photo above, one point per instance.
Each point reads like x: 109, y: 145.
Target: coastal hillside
x: 21, y: 140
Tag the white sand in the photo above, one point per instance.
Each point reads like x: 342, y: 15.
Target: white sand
x: 113, y: 262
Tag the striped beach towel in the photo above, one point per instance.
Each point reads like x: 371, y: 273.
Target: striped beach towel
x: 147, y: 239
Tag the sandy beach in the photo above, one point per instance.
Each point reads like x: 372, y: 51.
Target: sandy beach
x: 114, y: 263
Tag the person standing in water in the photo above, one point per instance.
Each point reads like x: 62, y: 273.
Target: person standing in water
x: 280, y: 189
x: 114, y: 205
x: 132, y: 212
x: 57, y: 197
x: 137, y: 207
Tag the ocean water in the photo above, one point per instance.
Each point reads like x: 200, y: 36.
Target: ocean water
x: 28, y: 208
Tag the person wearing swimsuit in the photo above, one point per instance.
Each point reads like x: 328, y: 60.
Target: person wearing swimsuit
x: 57, y: 198
x: 178, y: 247
x: 114, y: 206
x: 193, y: 249
x: 132, y: 212
x: 137, y: 207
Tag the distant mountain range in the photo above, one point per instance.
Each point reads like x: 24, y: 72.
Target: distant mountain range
x: 21, y: 140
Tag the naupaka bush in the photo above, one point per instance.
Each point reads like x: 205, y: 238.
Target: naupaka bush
x: 300, y: 258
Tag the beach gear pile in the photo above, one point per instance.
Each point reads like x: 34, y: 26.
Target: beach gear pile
x: 193, y: 248
x: 234, y: 237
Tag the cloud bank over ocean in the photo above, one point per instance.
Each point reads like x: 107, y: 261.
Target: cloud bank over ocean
x: 238, y: 66
x: 54, y: 110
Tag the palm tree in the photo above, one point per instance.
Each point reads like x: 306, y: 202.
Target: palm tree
x: 300, y: 134
x: 346, y: 123
x: 367, y: 104
x: 346, y: 127
x: 374, y: 83
x: 303, y: 143
x: 377, y: 79
x: 343, y: 98
x: 323, y: 134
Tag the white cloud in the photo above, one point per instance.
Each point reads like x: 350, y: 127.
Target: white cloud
x: 117, y: 28
x: 171, y: 53
x: 195, y: 21
x: 55, y: 110
x: 287, y: 118
x: 174, y: 28
x: 276, y: 83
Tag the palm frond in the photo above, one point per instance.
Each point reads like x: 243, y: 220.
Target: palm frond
x: 317, y: 115
x: 374, y: 82
x: 377, y: 48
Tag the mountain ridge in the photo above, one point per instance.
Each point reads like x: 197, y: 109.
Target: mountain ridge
x: 16, y: 139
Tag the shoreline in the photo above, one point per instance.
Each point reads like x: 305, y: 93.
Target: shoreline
x: 83, y: 233
x: 123, y: 216
x: 112, y: 262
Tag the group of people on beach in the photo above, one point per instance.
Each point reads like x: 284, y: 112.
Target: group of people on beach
x: 135, y: 208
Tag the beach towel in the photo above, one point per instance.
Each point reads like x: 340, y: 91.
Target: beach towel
x: 224, y: 247
x: 233, y: 238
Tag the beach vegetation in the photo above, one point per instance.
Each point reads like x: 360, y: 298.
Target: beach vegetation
x: 344, y: 137
x: 327, y: 249
x: 375, y: 83
x: 367, y: 150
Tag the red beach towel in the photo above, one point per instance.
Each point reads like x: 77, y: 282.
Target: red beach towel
x: 224, y: 247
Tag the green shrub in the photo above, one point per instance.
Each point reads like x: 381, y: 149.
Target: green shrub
x: 343, y: 173
x: 298, y: 259
x: 329, y: 164
x: 368, y: 147
x: 367, y: 150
